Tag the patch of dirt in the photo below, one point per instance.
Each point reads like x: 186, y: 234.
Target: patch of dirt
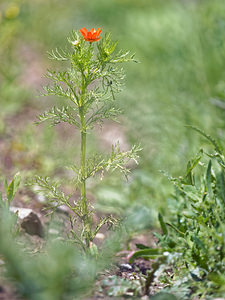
x: 110, y: 134
x: 33, y: 68
x: 7, y: 292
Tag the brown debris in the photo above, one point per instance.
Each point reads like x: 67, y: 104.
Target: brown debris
x: 32, y: 225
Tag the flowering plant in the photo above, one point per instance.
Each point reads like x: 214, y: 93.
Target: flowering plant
x: 89, y: 84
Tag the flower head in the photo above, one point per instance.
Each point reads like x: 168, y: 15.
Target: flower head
x: 92, y: 35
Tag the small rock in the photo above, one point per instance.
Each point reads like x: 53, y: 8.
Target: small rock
x: 100, y: 236
x: 53, y: 231
x: 124, y: 268
x: 40, y: 197
x: 64, y: 209
x: 32, y: 225
x: 2, y: 262
x: 30, y: 222
x: 21, y: 212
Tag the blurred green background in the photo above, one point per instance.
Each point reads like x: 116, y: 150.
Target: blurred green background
x: 180, y: 80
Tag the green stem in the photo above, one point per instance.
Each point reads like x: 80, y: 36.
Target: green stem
x: 83, y: 160
x: 85, y: 213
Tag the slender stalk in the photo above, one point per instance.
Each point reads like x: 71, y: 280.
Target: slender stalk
x: 83, y: 161
x: 85, y: 214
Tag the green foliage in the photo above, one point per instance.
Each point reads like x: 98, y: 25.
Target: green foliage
x: 89, y: 83
x: 117, y: 287
x: 118, y: 160
x: 181, y: 46
x: 148, y: 253
x: 51, y: 190
x: 58, y: 269
x: 13, y: 187
x: 11, y: 91
x: 86, y: 69
x: 184, y: 40
x: 180, y: 81
x: 163, y: 296
x: 57, y: 272
x: 194, y: 235
x: 192, y: 240
x: 59, y: 115
x: 10, y: 191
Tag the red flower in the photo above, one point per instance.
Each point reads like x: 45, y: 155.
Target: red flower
x: 92, y: 35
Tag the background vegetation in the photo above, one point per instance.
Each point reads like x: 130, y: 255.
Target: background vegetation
x: 179, y: 81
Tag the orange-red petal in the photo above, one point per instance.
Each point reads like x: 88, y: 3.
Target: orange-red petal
x: 89, y: 35
x: 94, y: 35
x: 98, y: 31
x: 84, y: 32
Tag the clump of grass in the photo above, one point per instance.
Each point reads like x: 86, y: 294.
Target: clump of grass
x: 192, y: 239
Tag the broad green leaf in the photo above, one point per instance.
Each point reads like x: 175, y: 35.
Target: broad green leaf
x: 209, y: 178
x: 192, y: 193
x: 175, y: 228
x: 163, y: 225
x: 191, y: 165
x: 5, y: 185
x: 141, y: 246
x: 13, y: 187
x: 189, y: 178
x: 222, y: 182
x: 148, y: 253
